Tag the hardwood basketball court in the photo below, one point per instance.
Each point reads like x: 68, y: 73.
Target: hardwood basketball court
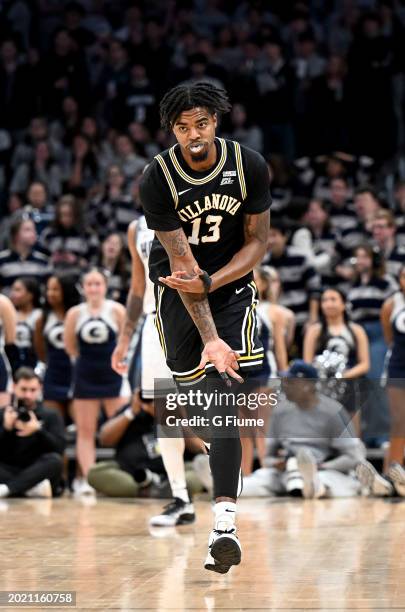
x: 346, y: 554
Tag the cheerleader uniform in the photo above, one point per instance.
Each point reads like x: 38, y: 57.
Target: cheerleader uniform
x: 396, y: 363
x: 153, y: 362
x: 6, y: 381
x: 58, y: 373
x: 265, y: 326
x: 347, y: 392
x: 344, y: 344
x: 97, y: 337
x: 24, y: 341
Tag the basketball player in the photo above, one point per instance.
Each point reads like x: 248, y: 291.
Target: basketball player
x: 141, y: 300
x: 208, y: 200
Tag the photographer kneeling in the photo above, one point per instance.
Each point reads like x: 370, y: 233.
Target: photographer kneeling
x: 32, y: 441
x: 137, y: 463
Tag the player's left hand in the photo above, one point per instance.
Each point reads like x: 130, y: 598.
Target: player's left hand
x: 220, y: 354
x: 182, y: 281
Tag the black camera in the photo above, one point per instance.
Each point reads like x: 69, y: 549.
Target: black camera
x: 22, y: 410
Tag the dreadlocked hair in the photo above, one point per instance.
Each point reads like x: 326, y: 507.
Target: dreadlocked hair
x: 185, y: 97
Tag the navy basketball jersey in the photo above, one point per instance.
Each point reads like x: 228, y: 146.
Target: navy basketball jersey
x: 209, y: 206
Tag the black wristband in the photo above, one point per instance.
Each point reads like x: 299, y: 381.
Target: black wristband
x: 207, y: 281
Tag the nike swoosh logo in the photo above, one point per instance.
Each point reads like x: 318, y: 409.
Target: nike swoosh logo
x: 226, y: 510
x: 237, y: 291
x: 185, y: 191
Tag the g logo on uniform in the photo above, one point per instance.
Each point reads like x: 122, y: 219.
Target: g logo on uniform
x: 55, y: 337
x: 94, y: 332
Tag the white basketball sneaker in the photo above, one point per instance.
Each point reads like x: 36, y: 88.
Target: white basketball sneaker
x: 224, y: 550
x: 177, y: 512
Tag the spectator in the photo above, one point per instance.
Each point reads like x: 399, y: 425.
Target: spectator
x: 114, y: 262
x: 43, y: 169
x: 25, y: 296
x: 38, y: 131
x: 32, y: 441
x: 347, y: 345
x: 384, y: 235
x: 64, y: 74
x: 367, y: 205
x: 71, y: 247
x: 126, y: 157
x: 250, y: 136
x: 113, y: 210
x: 114, y: 76
x: 61, y: 295
x: 136, y: 100
x: 38, y: 207
x: 312, y: 448
x: 8, y: 323
x: 15, y: 107
x: 301, y: 284
x: 342, y: 213
x: 22, y: 259
x: 365, y: 298
x: 137, y: 463
x: 84, y: 166
x: 274, y: 82
x: 90, y: 335
x: 323, y: 241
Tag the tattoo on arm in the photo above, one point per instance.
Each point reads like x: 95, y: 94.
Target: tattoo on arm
x: 177, y: 247
x: 256, y: 227
x: 134, y: 311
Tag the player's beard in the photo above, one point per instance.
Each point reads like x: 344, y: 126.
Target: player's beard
x: 199, y: 157
x: 202, y: 156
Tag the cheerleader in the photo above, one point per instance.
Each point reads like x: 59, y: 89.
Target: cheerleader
x: 8, y: 325
x: 25, y: 295
x: 91, y: 332
x: 336, y: 334
x: 61, y: 294
x: 393, y: 324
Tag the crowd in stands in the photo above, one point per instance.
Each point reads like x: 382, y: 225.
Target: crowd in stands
x: 318, y: 87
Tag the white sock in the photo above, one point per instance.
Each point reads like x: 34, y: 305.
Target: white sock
x: 4, y: 490
x: 225, y: 514
x: 172, y: 451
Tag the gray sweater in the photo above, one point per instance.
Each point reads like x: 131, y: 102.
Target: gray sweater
x: 324, y: 429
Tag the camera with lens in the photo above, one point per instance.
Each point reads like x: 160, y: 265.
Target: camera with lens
x: 22, y: 410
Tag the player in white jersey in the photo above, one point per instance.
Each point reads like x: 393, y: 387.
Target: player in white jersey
x: 153, y: 367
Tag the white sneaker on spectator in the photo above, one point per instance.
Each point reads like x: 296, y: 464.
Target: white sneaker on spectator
x: 313, y: 487
x: 396, y: 474
x: 80, y: 486
x: 42, y: 489
x: 372, y: 481
x: 294, y: 483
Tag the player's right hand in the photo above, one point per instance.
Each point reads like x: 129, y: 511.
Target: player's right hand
x: 220, y: 354
x: 118, y: 358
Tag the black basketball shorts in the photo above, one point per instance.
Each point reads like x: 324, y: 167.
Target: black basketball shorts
x: 234, y: 314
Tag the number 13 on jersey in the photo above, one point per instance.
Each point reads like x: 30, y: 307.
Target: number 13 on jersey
x: 213, y: 235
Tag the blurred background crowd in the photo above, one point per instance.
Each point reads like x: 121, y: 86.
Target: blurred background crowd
x: 318, y: 87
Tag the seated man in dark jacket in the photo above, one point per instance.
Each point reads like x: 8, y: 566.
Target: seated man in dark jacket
x: 32, y: 441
